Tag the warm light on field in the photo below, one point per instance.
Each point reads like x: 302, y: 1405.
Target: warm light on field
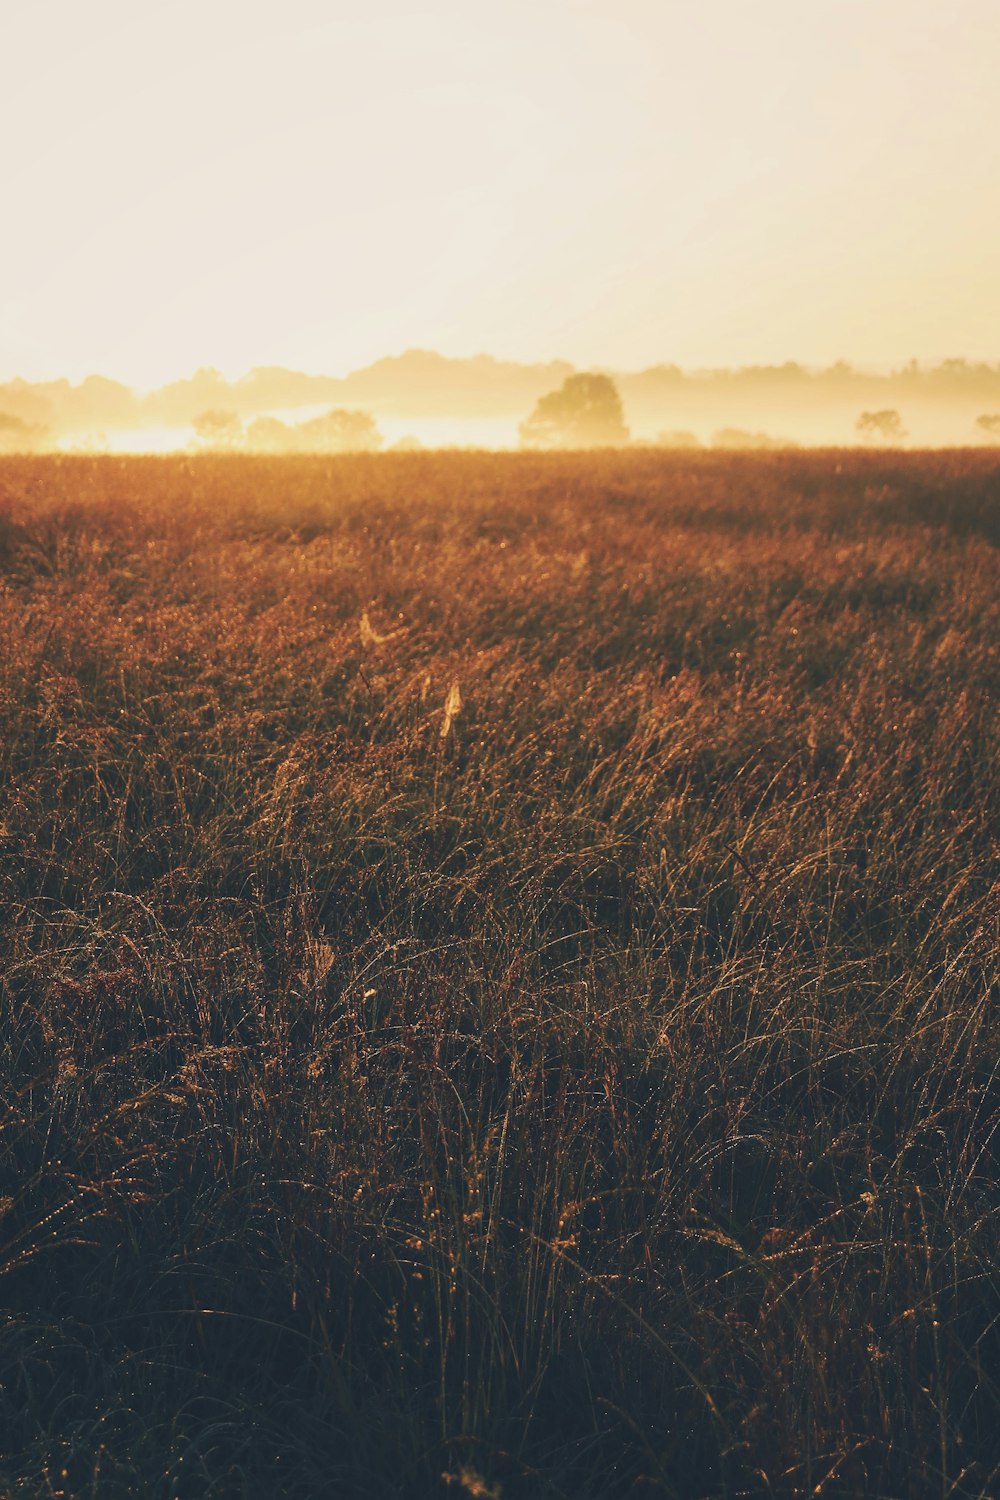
x: 498, y: 973
x: 499, y: 708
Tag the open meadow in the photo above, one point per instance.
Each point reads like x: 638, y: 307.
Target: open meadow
x: 499, y: 976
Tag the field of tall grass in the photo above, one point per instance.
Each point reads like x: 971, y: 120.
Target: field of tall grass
x: 499, y: 976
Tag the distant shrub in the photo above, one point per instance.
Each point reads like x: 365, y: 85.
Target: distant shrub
x: 18, y: 436
x: 736, y: 438
x: 218, y: 429
x: 586, y: 412
x: 881, y: 426
x: 268, y: 435
x: 337, y: 431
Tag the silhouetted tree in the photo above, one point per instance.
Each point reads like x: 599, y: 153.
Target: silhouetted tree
x: 218, y: 429
x: 881, y: 426
x: 338, y: 431
x: 990, y: 423
x: 586, y: 412
x: 735, y: 438
x: 18, y: 436
x: 269, y: 435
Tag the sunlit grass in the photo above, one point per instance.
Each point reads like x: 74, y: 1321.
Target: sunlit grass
x: 499, y: 975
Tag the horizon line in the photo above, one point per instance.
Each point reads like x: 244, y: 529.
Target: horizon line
x: 911, y: 365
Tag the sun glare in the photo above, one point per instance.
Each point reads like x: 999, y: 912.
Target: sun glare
x: 711, y: 185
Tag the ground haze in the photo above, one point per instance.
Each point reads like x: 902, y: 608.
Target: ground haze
x: 499, y: 975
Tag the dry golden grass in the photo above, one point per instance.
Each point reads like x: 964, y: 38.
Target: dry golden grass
x: 499, y: 976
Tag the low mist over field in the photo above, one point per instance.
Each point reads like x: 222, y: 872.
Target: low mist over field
x: 435, y: 401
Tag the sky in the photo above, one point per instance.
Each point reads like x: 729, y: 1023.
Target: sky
x: 619, y: 183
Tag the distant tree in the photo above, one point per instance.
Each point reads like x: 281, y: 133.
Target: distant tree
x: 990, y: 423
x: 677, y: 439
x: 338, y: 431
x: 18, y: 436
x: 269, y: 435
x: 586, y: 412
x: 881, y: 426
x: 839, y: 371
x: 218, y: 429
x: 735, y: 438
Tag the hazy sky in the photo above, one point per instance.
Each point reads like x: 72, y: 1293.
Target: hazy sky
x: 616, y: 182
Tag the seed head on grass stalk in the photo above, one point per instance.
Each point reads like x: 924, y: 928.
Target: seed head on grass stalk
x: 371, y: 637
x: 452, y: 707
x: 473, y: 1483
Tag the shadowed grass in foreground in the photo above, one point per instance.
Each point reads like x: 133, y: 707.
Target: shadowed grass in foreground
x: 590, y: 1090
